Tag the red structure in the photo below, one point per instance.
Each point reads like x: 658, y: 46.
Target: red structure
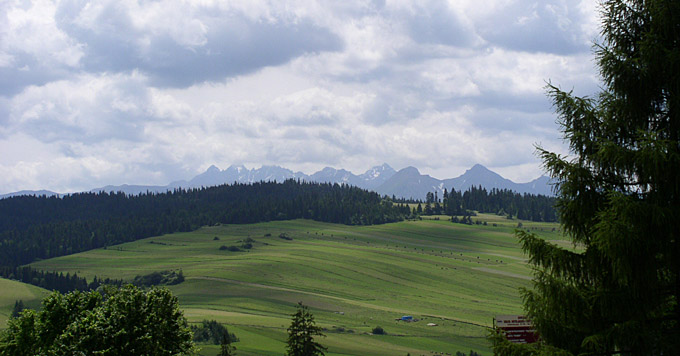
x: 517, y: 328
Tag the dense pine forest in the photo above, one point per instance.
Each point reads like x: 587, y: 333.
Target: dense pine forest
x: 505, y: 202
x: 44, y: 227
x: 55, y: 280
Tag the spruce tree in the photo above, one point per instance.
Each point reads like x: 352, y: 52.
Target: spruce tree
x: 618, y: 198
x: 226, y: 349
x: 18, y: 308
x: 301, y: 334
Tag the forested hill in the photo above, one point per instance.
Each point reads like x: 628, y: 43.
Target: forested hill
x: 523, y: 206
x: 43, y: 227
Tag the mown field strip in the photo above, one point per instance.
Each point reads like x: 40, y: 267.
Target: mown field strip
x: 353, y: 278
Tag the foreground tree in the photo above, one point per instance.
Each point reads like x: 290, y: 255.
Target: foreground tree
x: 618, y: 198
x: 301, y: 333
x: 125, y: 321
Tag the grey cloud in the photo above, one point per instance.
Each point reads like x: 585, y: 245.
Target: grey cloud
x: 437, y: 24
x: 234, y: 45
x: 314, y: 150
x: 4, y: 113
x: 541, y: 26
x: 404, y: 94
x: 25, y: 71
x: 396, y: 107
x: 84, y: 110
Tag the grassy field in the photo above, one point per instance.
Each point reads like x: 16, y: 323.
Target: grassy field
x: 353, y: 278
x: 11, y: 291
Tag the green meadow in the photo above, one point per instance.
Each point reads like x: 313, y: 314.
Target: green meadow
x: 353, y: 278
x: 12, y: 291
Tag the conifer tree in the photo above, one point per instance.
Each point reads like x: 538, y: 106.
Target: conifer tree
x: 301, y: 334
x: 18, y: 308
x: 226, y: 349
x: 618, y: 198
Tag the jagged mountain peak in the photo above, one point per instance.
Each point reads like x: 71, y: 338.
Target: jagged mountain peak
x: 237, y: 167
x: 407, y: 182
x: 378, y: 170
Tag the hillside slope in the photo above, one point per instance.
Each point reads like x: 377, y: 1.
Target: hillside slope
x: 11, y: 291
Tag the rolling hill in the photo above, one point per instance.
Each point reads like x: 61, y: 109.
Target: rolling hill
x: 353, y: 278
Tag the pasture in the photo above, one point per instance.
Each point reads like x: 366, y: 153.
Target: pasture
x: 353, y: 278
x: 11, y: 291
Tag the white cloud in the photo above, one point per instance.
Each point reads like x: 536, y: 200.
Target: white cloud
x: 87, y: 108
x: 31, y: 29
x: 130, y: 91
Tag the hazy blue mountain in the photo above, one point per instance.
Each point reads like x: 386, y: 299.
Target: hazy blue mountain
x: 409, y: 183
x: 132, y: 189
x: 376, y: 176
x: 274, y: 174
x: 214, y: 176
x: 29, y: 192
x: 480, y: 175
x: 210, y: 177
x: 332, y: 175
x: 541, y: 185
x: 406, y: 183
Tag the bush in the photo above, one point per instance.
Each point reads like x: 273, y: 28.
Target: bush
x: 285, y: 236
x: 231, y: 248
x: 213, y: 332
x: 378, y: 331
x: 95, y: 323
x: 159, y: 278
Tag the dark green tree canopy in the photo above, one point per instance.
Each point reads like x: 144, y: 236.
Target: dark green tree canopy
x: 44, y: 227
x: 618, y: 197
x: 301, y: 333
x: 111, y: 321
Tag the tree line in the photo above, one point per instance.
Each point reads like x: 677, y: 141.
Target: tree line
x: 55, y: 280
x: 43, y: 227
x: 498, y: 201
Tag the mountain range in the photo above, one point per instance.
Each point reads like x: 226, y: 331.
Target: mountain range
x: 405, y: 183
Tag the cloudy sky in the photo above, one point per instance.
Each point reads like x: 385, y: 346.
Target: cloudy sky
x: 147, y: 92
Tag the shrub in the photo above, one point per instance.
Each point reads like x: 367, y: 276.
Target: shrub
x: 97, y: 322
x: 213, y: 332
x: 159, y: 278
x: 378, y: 331
x: 231, y: 248
x: 285, y: 236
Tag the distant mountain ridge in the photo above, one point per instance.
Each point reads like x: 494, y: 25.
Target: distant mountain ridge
x: 405, y: 183
x: 48, y: 193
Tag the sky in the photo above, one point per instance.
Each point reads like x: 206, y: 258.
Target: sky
x: 149, y: 92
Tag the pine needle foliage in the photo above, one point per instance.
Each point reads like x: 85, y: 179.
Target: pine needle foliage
x: 618, y: 197
x: 301, y: 333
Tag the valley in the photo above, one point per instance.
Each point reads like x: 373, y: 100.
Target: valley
x: 353, y: 278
